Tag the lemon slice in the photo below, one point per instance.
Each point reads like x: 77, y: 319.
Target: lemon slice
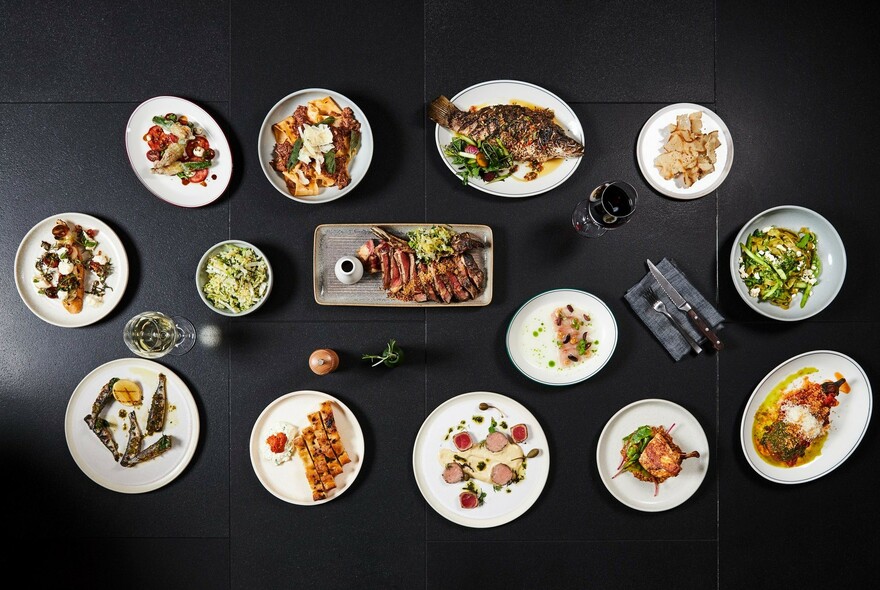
x: 127, y: 392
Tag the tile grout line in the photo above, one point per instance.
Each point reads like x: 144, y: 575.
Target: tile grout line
x: 717, y: 303
x: 425, y: 216
x: 229, y: 321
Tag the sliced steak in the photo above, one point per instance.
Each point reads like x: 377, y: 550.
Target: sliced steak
x: 501, y: 474
x: 466, y: 241
x: 496, y: 441
x: 461, y: 273
x: 453, y: 473
x: 474, y: 272
x: 457, y: 290
x: 404, y: 264
x: 440, y: 285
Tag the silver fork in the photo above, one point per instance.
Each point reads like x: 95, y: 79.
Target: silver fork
x: 660, y: 307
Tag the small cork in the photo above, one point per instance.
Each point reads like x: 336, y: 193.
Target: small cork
x: 323, y: 361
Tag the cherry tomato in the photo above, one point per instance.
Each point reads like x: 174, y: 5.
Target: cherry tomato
x: 192, y: 144
x: 199, y: 176
x: 156, y: 131
x: 154, y: 155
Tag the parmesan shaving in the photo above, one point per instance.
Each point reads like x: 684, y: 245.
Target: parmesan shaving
x: 803, y: 419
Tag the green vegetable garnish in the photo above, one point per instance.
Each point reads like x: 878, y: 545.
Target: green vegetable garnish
x: 492, y: 163
x: 633, y: 446
x: 390, y: 357
x: 294, y: 153
x: 354, y: 143
x: 326, y: 121
x: 330, y: 161
x: 779, y: 263
x: 431, y: 243
x: 238, y: 278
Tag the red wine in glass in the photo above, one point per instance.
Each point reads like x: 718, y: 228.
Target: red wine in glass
x: 609, y: 206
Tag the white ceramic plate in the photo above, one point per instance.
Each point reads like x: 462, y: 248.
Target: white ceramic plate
x: 507, y: 92
x: 532, y: 350
x: 654, y: 135
x: 687, y: 434
x: 51, y: 310
x: 288, y: 481
x: 170, y: 188
x: 284, y: 108
x: 181, y: 423
x: 830, y: 250
x: 499, y: 507
x: 849, y: 419
x: 202, y: 276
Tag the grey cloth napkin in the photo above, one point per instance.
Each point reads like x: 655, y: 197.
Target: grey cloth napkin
x: 658, y: 323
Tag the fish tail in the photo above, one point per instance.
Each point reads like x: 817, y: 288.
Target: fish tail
x: 441, y: 110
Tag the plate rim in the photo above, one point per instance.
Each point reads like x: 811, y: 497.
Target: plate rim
x: 451, y: 515
x: 604, y: 433
x: 849, y: 452
x: 203, y: 115
x: 193, y: 441
x: 644, y: 166
x: 539, y: 295
x: 485, y: 188
x: 734, y: 257
x: 121, y: 266
x: 490, y: 263
x: 366, y: 130
x: 349, y: 415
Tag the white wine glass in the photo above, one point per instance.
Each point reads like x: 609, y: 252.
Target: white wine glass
x: 153, y: 334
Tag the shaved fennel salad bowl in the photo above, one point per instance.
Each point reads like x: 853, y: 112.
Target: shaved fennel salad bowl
x: 234, y: 278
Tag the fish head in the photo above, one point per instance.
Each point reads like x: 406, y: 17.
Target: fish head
x: 559, y: 145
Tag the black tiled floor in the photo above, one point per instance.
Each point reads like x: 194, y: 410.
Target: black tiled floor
x: 791, y: 83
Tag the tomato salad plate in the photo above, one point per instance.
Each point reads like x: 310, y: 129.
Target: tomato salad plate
x: 71, y: 270
x: 824, y: 437
x: 562, y: 337
x: 685, y: 432
x: 712, y: 162
x: 307, y: 448
x: 560, y: 151
x: 178, y: 151
x: 315, y: 145
x: 481, y: 459
x: 126, y: 392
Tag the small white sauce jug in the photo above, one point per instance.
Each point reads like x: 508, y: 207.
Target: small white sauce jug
x: 349, y: 270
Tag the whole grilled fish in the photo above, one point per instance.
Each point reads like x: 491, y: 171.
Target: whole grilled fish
x: 530, y: 135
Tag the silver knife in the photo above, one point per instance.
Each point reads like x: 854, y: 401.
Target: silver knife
x: 682, y: 304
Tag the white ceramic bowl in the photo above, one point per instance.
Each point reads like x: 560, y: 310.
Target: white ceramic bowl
x: 829, y: 248
x: 284, y: 108
x: 202, y: 276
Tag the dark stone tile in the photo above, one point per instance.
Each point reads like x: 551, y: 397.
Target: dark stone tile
x: 628, y: 52
x: 65, y: 52
x: 758, y: 516
x: 382, y: 515
x: 391, y: 96
x: 163, y: 249
x: 184, y: 562
x: 572, y: 565
x: 797, y: 118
